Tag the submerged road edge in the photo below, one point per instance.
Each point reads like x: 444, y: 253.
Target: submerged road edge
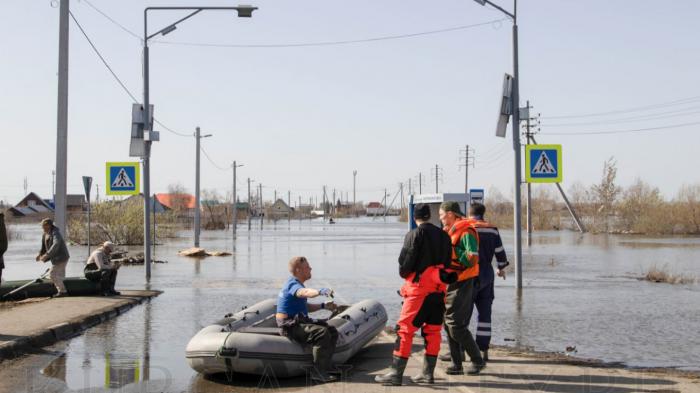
x: 74, y: 326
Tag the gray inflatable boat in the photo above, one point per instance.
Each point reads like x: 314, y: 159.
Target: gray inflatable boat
x: 249, y: 342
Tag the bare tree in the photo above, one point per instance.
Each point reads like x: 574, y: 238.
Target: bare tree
x: 606, y: 192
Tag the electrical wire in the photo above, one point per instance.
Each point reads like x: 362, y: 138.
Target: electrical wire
x: 332, y: 43
x: 661, y: 115
x: 113, y: 21
x: 116, y: 77
x: 633, y: 109
x: 223, y: 169
x: 300, y: 44
x: 622, y: 131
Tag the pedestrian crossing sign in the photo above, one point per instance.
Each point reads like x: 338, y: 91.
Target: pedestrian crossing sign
x: 543, y: 164
x: 123, y: 178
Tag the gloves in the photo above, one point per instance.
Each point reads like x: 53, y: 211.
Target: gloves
x: 328, y: 292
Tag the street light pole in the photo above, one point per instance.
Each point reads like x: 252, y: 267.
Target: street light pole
x: 234, y: 207
x: 354, y: 201
x: 515, y: 110
x: 197, y: 197
x: 244, y: 11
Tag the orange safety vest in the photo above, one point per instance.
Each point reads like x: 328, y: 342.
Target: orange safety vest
x: 460, y: 228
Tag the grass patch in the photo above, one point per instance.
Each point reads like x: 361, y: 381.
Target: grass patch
x: 664, y: 275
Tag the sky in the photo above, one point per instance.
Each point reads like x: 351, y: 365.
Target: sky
x: 299, y: 117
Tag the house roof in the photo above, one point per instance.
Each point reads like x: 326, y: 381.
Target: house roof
x: 374, y: 204
x: 176, y: 200
x: 36, y: 198
x: 75, y: 200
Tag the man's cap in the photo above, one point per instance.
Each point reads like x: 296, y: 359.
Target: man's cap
x: 421, y: 211
x: 451, y: 206
x: 46, y: 221
x: 109, y: 245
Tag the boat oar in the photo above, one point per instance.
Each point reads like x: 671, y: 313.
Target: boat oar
x: 36, y: 281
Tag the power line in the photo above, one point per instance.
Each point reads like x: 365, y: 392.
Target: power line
x: 212, y: 161
x: 333, y: 43
x: 116, y: 77
x: 94, y: 48
x: 301, y: 44
x: 634, y: 109
x: 623, y: 131
x: 655, y: 116
x: 114, y: 21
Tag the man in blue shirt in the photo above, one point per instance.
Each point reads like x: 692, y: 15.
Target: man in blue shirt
x: 293, y: 318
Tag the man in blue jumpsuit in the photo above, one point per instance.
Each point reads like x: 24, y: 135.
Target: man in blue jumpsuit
x: 490, y: 245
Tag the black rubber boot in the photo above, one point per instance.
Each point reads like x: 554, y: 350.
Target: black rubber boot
x: 394, y: 376
x: 476, y: 368
x: 485, y: 355
x: 426, y: 376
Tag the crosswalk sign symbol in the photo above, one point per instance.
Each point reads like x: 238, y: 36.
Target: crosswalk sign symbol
x: 543, y: 164
x: 123, y: 178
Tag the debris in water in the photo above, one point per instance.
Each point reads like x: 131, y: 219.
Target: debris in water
x: 200, y: 252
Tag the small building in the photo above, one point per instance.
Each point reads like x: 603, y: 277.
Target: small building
x: 280, y: 209
x: 375, y: 209
x: 179, y: 202
x: 76, y: 203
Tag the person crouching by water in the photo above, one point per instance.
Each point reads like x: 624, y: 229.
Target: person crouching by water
x: 53, y: 248
x: 426, y: 252
x: 100, y: 268
x: 293, y: 318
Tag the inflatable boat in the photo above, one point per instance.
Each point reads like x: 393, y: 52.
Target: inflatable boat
x: 249, y: 342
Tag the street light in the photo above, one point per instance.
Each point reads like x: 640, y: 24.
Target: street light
x: 515, y: 110
x: 197, y: 210
x: 244, y: 11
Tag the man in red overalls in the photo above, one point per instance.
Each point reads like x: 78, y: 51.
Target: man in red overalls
x: 426, y: 251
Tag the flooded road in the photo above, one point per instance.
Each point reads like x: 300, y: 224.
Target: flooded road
x: 579, y: 291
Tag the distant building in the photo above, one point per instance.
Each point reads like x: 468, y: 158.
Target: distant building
x: 76, y: 203
x: 30, y: 205
x: 280, y: 209
x: 177, y: 201
x: 375, y: 209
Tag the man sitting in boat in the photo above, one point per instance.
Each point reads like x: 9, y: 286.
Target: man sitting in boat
x: 293, y: 318
x: 100, y: 268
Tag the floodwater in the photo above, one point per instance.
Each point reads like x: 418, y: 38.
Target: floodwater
x: 580, y: 290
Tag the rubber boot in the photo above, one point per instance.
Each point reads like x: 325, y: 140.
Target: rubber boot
x: 426, y: 376
x: 112, y: 281
x: 485, y: 355
x: 394, y: 376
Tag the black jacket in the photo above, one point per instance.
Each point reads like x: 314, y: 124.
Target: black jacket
x: 424, y: 246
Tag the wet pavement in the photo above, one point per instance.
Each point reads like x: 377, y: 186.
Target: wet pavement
x: 579, y: 291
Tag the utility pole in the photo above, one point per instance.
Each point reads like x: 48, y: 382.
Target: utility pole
x: 401, y: 192
x: 262, y: 207
x: 26, y: 186
x: 62, y: 121
x: 528, y: 186
x: 234, y: 207
x: 354, y: 195
x: 275, y: 199
x: 437, y: 178
x: 410, y: 190
x: 197, y: 210
x: 250, y: 205
x: 468, y: 160
x: 289, y: 200
x: 420, y: 183
x: 53, y: 185
x: 324, y: 204
x: 386, y: 207
x: 97, y: 193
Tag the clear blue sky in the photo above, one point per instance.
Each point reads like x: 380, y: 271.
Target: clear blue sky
x: 302, y: 117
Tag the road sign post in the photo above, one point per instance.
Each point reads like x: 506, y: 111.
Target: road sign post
x: 87, y: 184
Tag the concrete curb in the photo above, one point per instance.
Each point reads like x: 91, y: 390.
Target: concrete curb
x: 68, y: 329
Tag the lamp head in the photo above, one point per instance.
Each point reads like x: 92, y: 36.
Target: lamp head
x: 245, y: 11
x: 168, y: 30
